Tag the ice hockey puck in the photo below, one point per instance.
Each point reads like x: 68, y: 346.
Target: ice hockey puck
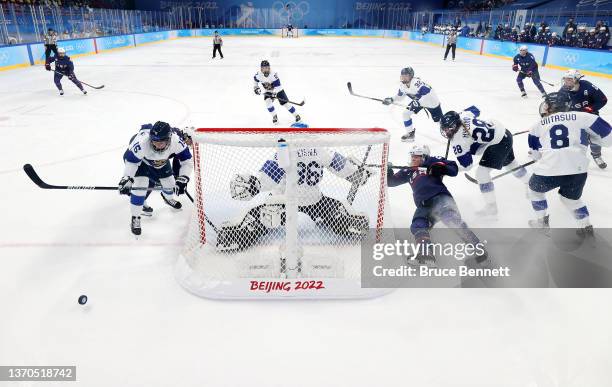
x: 83, y: 299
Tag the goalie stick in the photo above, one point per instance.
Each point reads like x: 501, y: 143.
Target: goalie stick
x: 355, y: 185
x: 470, y: 178
x: 85, y: 83
x: 29, y: 170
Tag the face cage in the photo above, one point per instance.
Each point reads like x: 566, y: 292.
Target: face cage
x: 164, y: 148
x: 265, y: 70
x: 405, y: 79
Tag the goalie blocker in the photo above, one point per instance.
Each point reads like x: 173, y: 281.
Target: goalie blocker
x: 279, y: 198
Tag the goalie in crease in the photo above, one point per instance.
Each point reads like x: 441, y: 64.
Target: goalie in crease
x: 325, y: 211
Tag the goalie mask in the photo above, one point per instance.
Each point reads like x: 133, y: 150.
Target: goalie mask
x: 265, y: 67
x: 450, y: 124
x: 554, y: 103
x: 160, y: 136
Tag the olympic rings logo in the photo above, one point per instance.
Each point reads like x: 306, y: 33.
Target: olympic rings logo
x: 291, y: 10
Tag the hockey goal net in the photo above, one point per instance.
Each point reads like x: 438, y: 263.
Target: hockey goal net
x: 289, y: 33
x: 282, y: 212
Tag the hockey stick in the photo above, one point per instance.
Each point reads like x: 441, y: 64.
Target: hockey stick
x: 350, y: 88
x: 205, y: 217
x: 291, y: 102
x: 541, y: 80
x: 470, y: 178
x: 29, y: 170
x: 521, y: 132
x: 85, y: 83
x: 355, y: 185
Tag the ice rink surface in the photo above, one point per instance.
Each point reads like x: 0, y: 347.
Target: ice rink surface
x: 141, y: 329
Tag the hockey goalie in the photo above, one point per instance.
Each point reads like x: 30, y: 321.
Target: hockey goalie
x: 312, y: 166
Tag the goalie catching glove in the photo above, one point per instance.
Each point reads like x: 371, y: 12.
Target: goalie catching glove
x: 181, y: 185
x: 125, y: 185
x: 244, y: 187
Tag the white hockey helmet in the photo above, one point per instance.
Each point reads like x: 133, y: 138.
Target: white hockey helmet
x: 419, y: 150
x: 523, y: 48
x: 571, y: 78
x: 61, y: 51
x: 602, y: 28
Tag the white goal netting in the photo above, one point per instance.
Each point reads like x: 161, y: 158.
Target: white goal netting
x: 290, y: 33
x: 282, y: 212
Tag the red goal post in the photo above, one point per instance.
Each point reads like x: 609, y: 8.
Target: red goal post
x: 304, y: 244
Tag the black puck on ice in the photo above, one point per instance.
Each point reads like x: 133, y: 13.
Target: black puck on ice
x: 83, y: 299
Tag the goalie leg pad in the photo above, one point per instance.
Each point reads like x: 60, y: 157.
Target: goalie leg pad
x: 334, y: 214
x: 242, y: 235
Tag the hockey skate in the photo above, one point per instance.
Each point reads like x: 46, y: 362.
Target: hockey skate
x: 541, y: 224
x: 274, y: 119
x: 298, y: 118
x: 599, y: 161
x: 146, y: 210
x: 523, y: 94
x: 61, y: 92
x: 172, y: 203
x: 489, y: 210
x: 136, y: 230
x: 84, y: 91
x: 586, y: 232
x: 409, y: 137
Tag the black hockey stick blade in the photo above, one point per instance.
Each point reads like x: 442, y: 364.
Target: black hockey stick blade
x: 470, y: 178
x: 86, y: 84
x: 29, y: 170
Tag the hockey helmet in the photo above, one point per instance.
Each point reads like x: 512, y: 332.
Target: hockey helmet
x: 61, y: 51
x: 523, y: 48
x: 450, y: 124
x: 571, y: 78
x: 265, y: 67
x: 406, y: 75
x: 554, y: 103
x: 419, y: 150
x: 160, y: 136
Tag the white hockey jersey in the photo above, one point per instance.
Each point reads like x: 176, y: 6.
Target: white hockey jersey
x: 271, y: 83
x: 419, y: 91
x: 560, y: 141
x: 476, y: 137
x: 141, y: 150
x: 311, y: 164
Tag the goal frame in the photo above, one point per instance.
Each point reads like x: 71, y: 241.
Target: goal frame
x: 241, y: 288
x: 285, y: 32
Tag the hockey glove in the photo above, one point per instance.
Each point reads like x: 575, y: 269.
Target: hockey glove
x: 515, y: 67
x: 181, y: 185
x: 387, y: 101
x: 414, y: 105
x: 244, y: 187
x: 437, y: 169
x: 269, y: 94
x: 588, y: 109
x: 257, y: 90
x: 529, y: 74
x: 125, y: 185
x: 534, y: 154
x: 48, y: 67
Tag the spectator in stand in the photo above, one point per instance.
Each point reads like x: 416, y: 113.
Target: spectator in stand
x: 581, y: 37
x: 499, y: 32
x: 602, y: 38
x: 554, y: 40
x: 570, y: 38
x: 570, y: 25
x: 591, y: 41
x: 600, y: 24
x: 533, y: 31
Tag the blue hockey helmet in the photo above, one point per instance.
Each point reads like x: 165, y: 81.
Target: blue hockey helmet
x: 160, y: 135
x: 450, y: 124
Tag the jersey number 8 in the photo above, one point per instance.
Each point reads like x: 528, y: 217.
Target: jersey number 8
x: 559, y: 137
